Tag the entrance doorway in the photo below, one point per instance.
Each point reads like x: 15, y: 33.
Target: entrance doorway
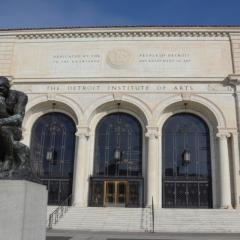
x: 116, y: 194
x: 117, y: 176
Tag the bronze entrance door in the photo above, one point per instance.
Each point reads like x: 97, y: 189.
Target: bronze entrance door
x: 115, y: 193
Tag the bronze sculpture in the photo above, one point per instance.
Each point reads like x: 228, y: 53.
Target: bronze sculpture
x: 14, y: 155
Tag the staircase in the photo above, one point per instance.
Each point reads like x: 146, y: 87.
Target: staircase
x: 197, y: 220
x: 106, y: 219
x: 140, y: 220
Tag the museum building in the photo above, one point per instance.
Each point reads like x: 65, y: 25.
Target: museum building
x: 128, y: 117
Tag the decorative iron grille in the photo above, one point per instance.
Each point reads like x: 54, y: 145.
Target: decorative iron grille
x: 186, y: 185
x: 123, y: 132
x: 52, y: 154
x: 118, y: 157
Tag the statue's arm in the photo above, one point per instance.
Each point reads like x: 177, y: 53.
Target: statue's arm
x: 19, y: 111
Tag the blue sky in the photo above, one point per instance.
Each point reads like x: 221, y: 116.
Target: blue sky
x: 70, y: 13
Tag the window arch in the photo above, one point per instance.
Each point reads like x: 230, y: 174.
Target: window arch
x: 52, y: 154
x: 117, y: 176
x: 186, y: 162
x: 118, y: 132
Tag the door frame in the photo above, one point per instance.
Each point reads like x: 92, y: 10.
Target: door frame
x: 116, y: 192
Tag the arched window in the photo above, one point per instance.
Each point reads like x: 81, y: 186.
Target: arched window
x: 52, y: 154
x: 117, y: 176
x: 121, y: 134
x: 186, y: 162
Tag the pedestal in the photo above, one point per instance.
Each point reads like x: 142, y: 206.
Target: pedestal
x: 23, y: 210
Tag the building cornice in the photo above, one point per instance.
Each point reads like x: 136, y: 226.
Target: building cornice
x: 121, y: 34
x: 109, y: 32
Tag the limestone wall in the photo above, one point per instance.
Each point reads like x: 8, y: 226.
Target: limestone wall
x: 235, y: 41
x: 6, y: 52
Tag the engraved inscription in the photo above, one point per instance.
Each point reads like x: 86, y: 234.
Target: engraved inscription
x: 76, y: 58
x: 84, y: 62
x: 164, y: 57
x: 131, y: 88
x: 141, y: 59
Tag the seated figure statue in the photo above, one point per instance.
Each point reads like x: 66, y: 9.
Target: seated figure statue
x: 14, y: 156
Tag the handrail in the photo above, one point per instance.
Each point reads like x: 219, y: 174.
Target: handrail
x: 153, y: 216
x: 59, y: 212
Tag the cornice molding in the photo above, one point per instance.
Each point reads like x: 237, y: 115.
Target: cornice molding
x: 119, y: 34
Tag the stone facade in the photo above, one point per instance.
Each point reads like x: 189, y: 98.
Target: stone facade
x: 152, y: 72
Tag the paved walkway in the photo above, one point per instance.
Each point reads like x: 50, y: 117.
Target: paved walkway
x: 83, y: 235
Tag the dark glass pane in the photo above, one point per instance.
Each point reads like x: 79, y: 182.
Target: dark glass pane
x: 54, y: 192
x: 181, y: 196
x: 186, y: 132
x: 96, y: 198
x: 179, y: 147
x: 169, y: 155
x: 52, y: 153
x: 169, y: 195
x: 123, y: 132
x: 192, y: 146
x: 193, y: 195
x: 66, y: 187
x: 134, y: 194
x: 204, y: 195
x: 110, y: 193
x: 122, y: 193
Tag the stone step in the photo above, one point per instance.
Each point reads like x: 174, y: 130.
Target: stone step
x: 139, y: 220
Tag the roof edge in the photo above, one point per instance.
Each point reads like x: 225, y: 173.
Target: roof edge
x: 159, y: 27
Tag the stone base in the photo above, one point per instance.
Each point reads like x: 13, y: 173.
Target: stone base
x: 23, y: 209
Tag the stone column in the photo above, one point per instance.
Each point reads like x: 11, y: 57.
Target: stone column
x: 80, y: 168
x: 152, y: 166
x: 235, y: 162
x: 224, y: 170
